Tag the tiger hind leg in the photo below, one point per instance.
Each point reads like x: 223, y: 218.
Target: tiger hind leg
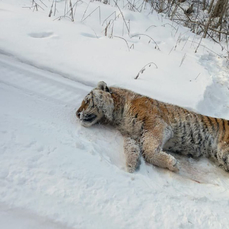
x: 221, y: 157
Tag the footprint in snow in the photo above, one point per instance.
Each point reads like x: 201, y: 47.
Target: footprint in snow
x: 88, y: 35
x: 41, y: 34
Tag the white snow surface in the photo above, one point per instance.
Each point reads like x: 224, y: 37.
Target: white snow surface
x: 55, y: 173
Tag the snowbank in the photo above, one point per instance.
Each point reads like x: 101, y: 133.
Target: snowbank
x: 54, y: 170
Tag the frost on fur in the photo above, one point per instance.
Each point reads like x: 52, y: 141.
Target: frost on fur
x: 152, y: 128
x: 105, y: 103
x: 132, y: 153
x: 103, y: 86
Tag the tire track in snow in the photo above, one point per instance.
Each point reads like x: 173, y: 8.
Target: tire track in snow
x: 53, y: 87
x: 5, y: 55
x: 31, y: 80
x: 44, y: 150
x: 20, y: 218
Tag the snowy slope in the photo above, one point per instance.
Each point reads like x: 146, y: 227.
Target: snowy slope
x: 60, y: 170
x: 21, y: 219
x: 57, y: 174
x: 74, y: 50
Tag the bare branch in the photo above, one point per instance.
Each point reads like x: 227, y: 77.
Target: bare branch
x: 144, y: 68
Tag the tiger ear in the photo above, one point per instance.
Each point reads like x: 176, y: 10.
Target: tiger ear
x: 103, y: 86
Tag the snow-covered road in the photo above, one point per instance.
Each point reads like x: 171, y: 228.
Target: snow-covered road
x: 54, y: 170
x: 23, y: 88
x: 22, y: 219
x: 41, y: 140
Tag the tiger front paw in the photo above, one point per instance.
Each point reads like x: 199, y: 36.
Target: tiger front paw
x: 130, y: 168
x: 173, y: 165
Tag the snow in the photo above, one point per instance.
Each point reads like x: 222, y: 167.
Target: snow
x: 21, y: 219
x: 55, y: 173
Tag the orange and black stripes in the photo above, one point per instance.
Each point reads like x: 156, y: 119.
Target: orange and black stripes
x: 133, y: 115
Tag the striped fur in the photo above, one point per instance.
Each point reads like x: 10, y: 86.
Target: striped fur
x: 152, y: 128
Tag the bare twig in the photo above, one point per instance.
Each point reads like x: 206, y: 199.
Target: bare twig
x: 132, y: 46
x: 68, y: 11
x: 140, y: 34
x: 133, y: 8
x: 124, y: 20
x: 124, y: 40
x: 185, y: 43
x: 150, y: 27
x: 169, y: 25
x: 106, y: 28
x: 71, y: 10
x: 43, y: 3
x: 144, y: 68
x: 198, y: 45
x: 83, y: 19
x: 109, y: 17
x: 85, y: 10
x: 50, y: 12
x: 197, y: 76
x: 183, y: 58
x: 35, y: 6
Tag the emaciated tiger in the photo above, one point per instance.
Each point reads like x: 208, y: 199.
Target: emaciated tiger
x: 152, y: 128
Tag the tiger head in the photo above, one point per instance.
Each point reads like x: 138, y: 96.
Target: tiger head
x: 96, y: 105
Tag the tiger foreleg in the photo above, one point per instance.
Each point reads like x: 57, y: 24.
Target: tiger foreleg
x: 152, y: 144
x: 132, y: 154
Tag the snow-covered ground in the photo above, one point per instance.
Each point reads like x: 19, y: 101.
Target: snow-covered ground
x: 56, y: 174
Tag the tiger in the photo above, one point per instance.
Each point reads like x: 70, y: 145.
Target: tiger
x: 154, y: 129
